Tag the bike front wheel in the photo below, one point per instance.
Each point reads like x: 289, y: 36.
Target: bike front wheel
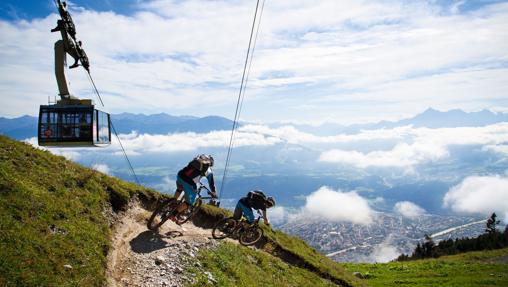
x: 161, y: 213
x: 251, y: 235
x: 224, y: 228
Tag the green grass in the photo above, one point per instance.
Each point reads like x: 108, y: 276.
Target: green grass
x: 235, y: 265
x: 51, y: 215
x: 281, y: 245
x: 215, y: 212
x: 482, y: 268
x: 309, y: 255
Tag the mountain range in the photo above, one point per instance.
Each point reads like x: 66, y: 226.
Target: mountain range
x: 430, y: 118
x: 26, y: 126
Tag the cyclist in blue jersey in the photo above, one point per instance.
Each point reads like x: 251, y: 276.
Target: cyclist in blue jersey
x: 189, y: 176
x: 255, y: 199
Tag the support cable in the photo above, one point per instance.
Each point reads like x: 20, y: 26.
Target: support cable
x: 95, y: 87
x: 125, y: 154
x: 250, y: 65
x: 114, y: 131
x: 241, y: 92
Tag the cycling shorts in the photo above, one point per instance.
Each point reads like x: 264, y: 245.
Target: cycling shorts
x: 247, y: 212
x: 190, y: 193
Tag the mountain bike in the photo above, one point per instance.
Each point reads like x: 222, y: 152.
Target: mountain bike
x: 169, y: 208
x: 247, y: 234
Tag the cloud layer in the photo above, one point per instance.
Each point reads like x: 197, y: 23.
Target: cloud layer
x: 480, y: 195
x: 423, y: 145
x: 104, y: 168
x: 411, y: 146
x: 402, y: 147
x: 384, y: 252
x: 333, y: 205
x: 408, y: 209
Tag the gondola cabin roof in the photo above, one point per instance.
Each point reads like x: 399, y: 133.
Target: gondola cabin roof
x: 73, y: 124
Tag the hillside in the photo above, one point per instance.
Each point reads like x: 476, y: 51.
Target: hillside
x: 55, y: 218
x: 481, y: 268
x: 65, y: 225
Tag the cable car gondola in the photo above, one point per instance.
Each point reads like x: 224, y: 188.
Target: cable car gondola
x: 75, y: 125
x: 71, y: 122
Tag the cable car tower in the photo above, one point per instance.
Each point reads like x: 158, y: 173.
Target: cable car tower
x: 71, y: 122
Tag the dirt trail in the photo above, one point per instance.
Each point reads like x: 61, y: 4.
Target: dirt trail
x: 140, y: 257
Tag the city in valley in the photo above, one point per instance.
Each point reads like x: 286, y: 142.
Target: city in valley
x: 387, y: 237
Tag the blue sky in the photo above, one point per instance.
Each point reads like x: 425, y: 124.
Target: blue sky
x: 315, y: 61
x: 15, y: 10
x: 29, y: 9
x: 338, y: 61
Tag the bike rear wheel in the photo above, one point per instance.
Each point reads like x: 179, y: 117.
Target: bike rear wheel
x: 251, y: 235
x: 224, y: 228
x: 188, y: 214
x: 161, y: 213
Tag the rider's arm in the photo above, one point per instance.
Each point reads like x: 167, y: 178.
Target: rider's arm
x: 265, y: 218
x: 211, y: 182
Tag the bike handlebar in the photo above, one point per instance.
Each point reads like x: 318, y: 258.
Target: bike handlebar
x: 202, y: 186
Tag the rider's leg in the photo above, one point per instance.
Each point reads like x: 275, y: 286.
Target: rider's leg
x: 189, y: 195
x: 237, y: 215
x: 179, y: 189
x: 247, y: 212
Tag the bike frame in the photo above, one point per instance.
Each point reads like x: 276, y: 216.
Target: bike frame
x: 255, y: 223
x: 201, y: 186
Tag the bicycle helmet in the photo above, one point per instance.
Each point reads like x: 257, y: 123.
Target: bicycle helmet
x: 270, y: 202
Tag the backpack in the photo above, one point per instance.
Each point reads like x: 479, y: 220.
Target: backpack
x: 201, y: 163
x: 257, y: 199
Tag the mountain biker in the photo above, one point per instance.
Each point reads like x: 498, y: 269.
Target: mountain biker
x: 189, y: 176
x: 255, y: 199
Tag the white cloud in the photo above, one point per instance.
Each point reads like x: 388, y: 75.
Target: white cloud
x: 343, y: 56
x: 501, y: 149
x: 480, y: 195
x: 409, y: 146
x: 100, y: 167
x: 338, y: 206
x: 384, y: 252
x: 408, y: 209
x: 412, y: 146
x: 69, y: 153
x: 277, y: 215
x: 140, y: 143
x: 425, y: 145
x: 401, y: 155
x: 32, y: 141
x: 167, y: 185
x: 292, y: 135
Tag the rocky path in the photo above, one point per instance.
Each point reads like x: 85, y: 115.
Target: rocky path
x: 140, y: 257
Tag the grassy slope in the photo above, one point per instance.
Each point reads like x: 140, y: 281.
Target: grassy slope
x: 234, y: 265
x: 51, y: 214
x: 482, y: 268
x: 281, y: 244
x: 312, y: 258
